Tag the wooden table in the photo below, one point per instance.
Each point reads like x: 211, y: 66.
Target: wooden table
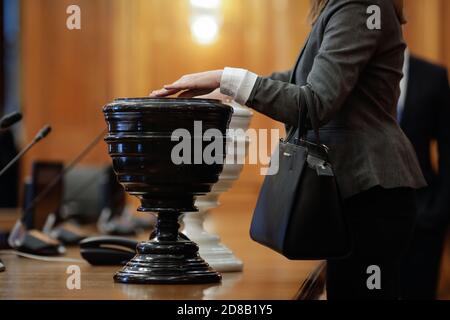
x: 266, y: 275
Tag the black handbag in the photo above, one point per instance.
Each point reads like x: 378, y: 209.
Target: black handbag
x: 299, y: 211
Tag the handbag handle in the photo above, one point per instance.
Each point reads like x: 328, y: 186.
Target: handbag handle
x: 308, y: 101
x: 303, y: 117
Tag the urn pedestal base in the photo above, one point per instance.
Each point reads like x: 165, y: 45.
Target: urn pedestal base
x: 221, y: 258
x: 168, y: 258
x: 217, y: 255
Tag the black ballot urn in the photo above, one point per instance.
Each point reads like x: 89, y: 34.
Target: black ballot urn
x: 158, y: 149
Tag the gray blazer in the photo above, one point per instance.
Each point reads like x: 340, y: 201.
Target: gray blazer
x: 354, y: 74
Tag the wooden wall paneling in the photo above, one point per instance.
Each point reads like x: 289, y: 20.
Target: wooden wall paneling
x: 64, y: 78
x: 446, y: 32
x: 425, y: 31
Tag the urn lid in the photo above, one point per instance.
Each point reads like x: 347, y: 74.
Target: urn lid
x: 153, y: 104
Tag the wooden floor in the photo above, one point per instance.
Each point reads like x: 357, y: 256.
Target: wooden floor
x: 266, y: 275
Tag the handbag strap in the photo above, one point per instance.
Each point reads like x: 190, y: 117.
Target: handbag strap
x: 307, y: 99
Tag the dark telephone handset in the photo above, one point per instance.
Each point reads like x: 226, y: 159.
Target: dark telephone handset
x: 108, y: 250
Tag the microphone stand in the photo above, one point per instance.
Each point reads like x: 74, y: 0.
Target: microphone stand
x: 7, y: 122
x: 2, y: 245
x: 40, y: 135
x: 66, y: 170
x: 19, y: 232
x: 17, y: 157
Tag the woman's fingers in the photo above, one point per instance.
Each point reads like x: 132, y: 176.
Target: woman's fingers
x: 209, y: 80
x: 182, y: 84
x: 189, y: 82
x: 215, y: 95
x: 186, y: 94
x: 171, y: 89
x: 203, y: 80
x: 177, y: 86
x: 194, y: 93
x: 163, y: 93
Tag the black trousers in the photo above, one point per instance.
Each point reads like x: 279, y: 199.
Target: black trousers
x: 381, y: 222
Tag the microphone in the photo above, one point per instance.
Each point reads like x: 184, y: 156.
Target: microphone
x: 10, y: 119
x: 42, y: 133
x: 39, y: 136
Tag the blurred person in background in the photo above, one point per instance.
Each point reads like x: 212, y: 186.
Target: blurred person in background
x: 424, y: 115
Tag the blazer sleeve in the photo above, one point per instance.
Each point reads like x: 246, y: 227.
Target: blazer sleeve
x: 284, y: 76
x: 347, y: 46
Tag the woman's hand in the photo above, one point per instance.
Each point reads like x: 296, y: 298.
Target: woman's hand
x: 216, y: 95
x: 197, y: 84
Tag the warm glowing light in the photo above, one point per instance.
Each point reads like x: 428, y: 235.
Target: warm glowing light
x: 205, y: 29
x: 205, y: 4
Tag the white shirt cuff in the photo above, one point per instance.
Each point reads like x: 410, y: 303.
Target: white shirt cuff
x: 238, y: 84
